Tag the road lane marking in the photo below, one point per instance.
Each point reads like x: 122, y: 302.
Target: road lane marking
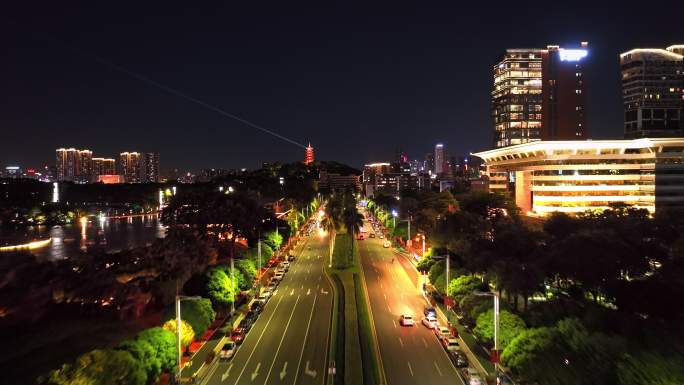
x: 283, y: 372
x: 384, y: 295
x: 257, y: 343
x: 437, y: 367
x: 227, y: 373
x: 309, y: 372
x: 424, y: 342
x: 292, y: 292
x: 401, y: 342
x: 381, y: 285
x: 388, y: 309
x: 410, y: 368
x: 281, y: 340
x: 306, y: 335
x: 308, y: 291
x: 394, y: 323
x: 255, y: 373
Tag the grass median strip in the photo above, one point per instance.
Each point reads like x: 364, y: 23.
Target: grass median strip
x: 371, y: 369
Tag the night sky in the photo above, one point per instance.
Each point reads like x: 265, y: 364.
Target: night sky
x: 359, y: 82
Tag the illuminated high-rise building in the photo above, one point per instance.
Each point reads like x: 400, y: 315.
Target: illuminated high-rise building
x: 150, y: 167
x: 653, y: 91
x: 539, y: 94
x: 439, y: 158
x: 309, y: 155
x: 85, y: 166
x: 73, y: 164
x: 103, y: 166
x: 129, y: 166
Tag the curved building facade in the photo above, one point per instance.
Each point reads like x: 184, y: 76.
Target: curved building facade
x: 576, y: 176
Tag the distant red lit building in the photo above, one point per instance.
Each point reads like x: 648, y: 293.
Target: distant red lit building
x: 309, y: 155
x: 110, y: 179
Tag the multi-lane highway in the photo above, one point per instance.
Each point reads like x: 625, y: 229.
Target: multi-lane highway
x: 288, y: 344
x: 410, y: 355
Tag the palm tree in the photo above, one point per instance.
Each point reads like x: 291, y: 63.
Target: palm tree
x: 331, y: 221
x: 353, y: 221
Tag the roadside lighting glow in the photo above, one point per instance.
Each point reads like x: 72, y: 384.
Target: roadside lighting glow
x: 394, y: 213
x: 220, y: 188
x: 30, y: 245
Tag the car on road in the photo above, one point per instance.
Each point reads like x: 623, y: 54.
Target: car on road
x: 429, y: 311
x: 285, y: 263
x: 237, y: 335
x: 245, y: 324
x: 227, y: 351
x: 263, y: 297
x: 360, y: 238
x: 290, y: 258
x: 283, y: 268
x: 371, y: 235
x: 272, y: 285
x: 279, y: 275
x: 473, y: 377
x: 430, y: 322
x: 252, y: 316
x: 386, y: 244
x: 458, y: 358
x: 381, y: 236
x: 451, y: 344
x: 257, y: 306
x: 406, y: 320
x: 442, y: 332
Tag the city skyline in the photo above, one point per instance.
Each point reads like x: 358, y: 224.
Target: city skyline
x: 423, y: 100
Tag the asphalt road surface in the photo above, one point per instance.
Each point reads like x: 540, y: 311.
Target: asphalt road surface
x: 288, y: 344
x: 410, y: 355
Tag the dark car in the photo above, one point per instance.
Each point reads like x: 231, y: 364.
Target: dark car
x: 291, y: 258
x: 245, y: 324
x: 256, y: 307
x: 252, y: 316
x: 430, y: 311
x: 237, y: 335
x: 458, y: 358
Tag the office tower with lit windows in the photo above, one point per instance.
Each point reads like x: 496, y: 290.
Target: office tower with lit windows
x: 653, y: 91
x: 539, y: 94
x: 309, y: 155
x: 150, y: 167
x: 429, y: 164
x: 129, y: 166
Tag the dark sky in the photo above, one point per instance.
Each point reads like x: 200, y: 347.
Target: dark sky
x: 358, y: 81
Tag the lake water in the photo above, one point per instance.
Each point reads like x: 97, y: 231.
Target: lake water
x: 110, y: 234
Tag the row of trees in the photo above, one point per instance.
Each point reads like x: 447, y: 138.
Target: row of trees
x: 341, y: 214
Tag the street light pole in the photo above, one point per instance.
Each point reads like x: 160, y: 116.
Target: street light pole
x: 180, y: 298
x: 232, y: 286
x: 496, y: 331
x: 423, y: 246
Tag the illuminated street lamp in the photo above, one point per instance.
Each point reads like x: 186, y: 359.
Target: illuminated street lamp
x: 394, y: 218
x: 495, y: 356
x: 180, y: 298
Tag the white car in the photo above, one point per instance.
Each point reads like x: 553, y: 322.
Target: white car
x: 381, y: 236
x: 442, y: 332
x: 386, y: 244
x: 473, y: 377
x: 279, y: 275
x: 430, y: 322
x: 264, y: 296
x: 227, y: 351
x: 285, y: 263
x: 406, y: 320
x: 451, y: 344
